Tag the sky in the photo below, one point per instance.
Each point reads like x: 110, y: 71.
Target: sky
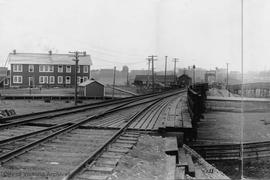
x: 206, y: 33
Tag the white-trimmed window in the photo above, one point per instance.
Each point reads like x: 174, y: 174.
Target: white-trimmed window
x: 46, y: 68
x: 68, y: 68
x: 60, y: 79
x: 17, y: 79
x: 85, y: 69
x: 52, y: 79
x: 43, y: 79
x: 78, y: 69
x: 51, y: 68
x: 60, y: 68
x: 31, y: 68
x: 85, y: 78
x: 17, y: 68
x: 68, y: 81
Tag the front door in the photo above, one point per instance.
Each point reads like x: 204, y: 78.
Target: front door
x: 31, y: 82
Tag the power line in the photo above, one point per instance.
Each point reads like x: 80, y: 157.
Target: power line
x: 109, y: 51
x: 117, y: 62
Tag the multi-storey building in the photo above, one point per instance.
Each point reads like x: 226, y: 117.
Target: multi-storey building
x: 47, y: 70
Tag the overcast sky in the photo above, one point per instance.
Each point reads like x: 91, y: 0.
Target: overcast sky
x: 124, y: 32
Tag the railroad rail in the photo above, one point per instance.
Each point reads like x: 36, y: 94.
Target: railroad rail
x: 232, y: 151
x: 79, y: 108
x: 53, y: 144
x: 47, y: 115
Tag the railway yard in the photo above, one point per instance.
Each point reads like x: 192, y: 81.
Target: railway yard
x: 87, y: 141
x: 151, y: 136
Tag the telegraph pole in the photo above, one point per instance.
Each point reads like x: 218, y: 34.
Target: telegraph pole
x: 113, y: 81
x: 149, y: 61
x: 194, y: 77
x: 76, y: 55
x: 153, y: 75
x: 127, y: 78
x: 227, y: 86
x: 216, y: 74
x: 175, y: 61
x: 165, y: 71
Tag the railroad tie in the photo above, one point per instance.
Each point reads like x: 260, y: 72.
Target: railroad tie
x: 103, y: 167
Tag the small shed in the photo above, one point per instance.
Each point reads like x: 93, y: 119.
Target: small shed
x: 91, y: 88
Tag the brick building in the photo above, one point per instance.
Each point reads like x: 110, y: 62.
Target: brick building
x: 47, y: 70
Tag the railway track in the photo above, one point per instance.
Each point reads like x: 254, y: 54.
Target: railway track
x: 59, y: 116
x: 54, y: 152
x: 232, y: 151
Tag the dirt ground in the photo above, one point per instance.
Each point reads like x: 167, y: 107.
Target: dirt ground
x: 220, y: 92
x: 253, y: 168
x: 222, y: 127
x: 31, y: 106
x: 145, y: 161
x: 58, y: 91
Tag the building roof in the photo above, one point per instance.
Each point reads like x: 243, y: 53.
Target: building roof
x: 3, y: 71
x: 89, y: 81
x: 184, y: 76
x: 46, y: 58
x: 158, y: 78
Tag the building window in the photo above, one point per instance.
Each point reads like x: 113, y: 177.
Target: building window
x: 51, y: 79
x: 60, y: 79
x: 85, y: 78
x: 78, y: 69
x: 85, y: 69
x: 6, y: 82
x: 17, y: 67
x: 17, y: 79
x: 31, y: 68
x: 43, y: 79
x: 67, y: 79
x: 60, y: 68
x: 68, y: 69
x: 46, y: 68
x: 51, y: 67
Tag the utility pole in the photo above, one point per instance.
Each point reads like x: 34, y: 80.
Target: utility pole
x: 127, y: 78
x: 194, y: 77
x: 114, y: 69
x: 216, y: 74
x: 148, y: 72
x: 175, y: 61
x: 153, y: 74
x: 165, y: 71
x: 227, y: 86
x: 76, y: 55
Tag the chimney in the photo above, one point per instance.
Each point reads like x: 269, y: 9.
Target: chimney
x: 84, y: 53
x: 50, y: 52
x: 14, y: 51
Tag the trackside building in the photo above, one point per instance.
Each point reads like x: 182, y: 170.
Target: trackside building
x: 47, y: 69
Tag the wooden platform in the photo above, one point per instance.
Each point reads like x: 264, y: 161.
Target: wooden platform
x: 175, y: 115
